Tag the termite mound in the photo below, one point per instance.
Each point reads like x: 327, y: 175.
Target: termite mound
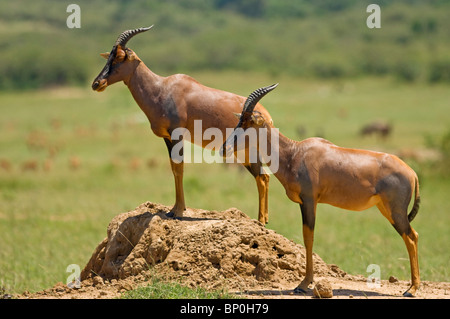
x: 210, y: 249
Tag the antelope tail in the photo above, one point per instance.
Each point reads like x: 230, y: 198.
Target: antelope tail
x: 416, y: 205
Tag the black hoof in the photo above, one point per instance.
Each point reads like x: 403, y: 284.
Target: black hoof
x: 408, y: 294
x: 170, y: 214
x: 299, y: 290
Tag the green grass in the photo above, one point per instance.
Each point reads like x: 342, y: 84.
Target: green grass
x: 53, y: 217
x: 159, y: 289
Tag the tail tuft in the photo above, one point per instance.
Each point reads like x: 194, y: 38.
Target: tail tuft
x: 414, y: 210
x: 416, y: 205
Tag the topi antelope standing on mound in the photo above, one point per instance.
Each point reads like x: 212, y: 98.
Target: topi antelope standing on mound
x: 175, y: 102
x: 316, y: 171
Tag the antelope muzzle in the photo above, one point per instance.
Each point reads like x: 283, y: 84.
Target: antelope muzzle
x: 99, y: 85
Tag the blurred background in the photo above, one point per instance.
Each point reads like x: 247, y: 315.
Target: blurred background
x: 71, y: 159
x: 321, y: 39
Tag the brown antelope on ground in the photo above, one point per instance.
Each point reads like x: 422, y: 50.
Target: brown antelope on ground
x: 380, y: 128
x: 176, y: 102
x: 316, y: 171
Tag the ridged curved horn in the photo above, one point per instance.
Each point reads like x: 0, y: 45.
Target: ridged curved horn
x: 255, y: 96
x: 125, y: 36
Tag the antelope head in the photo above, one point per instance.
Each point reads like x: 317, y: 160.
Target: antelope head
x: 249, y: 118
x: 121, y: 61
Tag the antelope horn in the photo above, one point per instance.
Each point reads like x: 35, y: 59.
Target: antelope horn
x: 255, y: 96
x: 125, y: 36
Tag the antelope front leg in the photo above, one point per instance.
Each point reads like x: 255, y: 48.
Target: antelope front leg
x: 180, y: 206
x: 309, y: 217
x: 262, y: 182
x: 177, y: 170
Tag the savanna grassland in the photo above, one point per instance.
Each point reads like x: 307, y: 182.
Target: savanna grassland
x: 71, y: 159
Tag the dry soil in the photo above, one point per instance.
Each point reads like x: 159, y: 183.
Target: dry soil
x: 214, y: 250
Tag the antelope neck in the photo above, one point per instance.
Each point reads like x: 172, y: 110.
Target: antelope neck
x: 144, y: 85
x: 287, y: 149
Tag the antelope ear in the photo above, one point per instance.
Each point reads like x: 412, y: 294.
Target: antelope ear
x: 238, y: 115
x: 131, y: 55
x: 258, y: 119
x: 105, y: 55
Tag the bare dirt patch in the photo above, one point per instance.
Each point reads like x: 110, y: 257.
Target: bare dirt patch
x: 213, y: 250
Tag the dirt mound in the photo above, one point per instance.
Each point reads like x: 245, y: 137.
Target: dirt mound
x: 212, y: 249
x: 204, y: 248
